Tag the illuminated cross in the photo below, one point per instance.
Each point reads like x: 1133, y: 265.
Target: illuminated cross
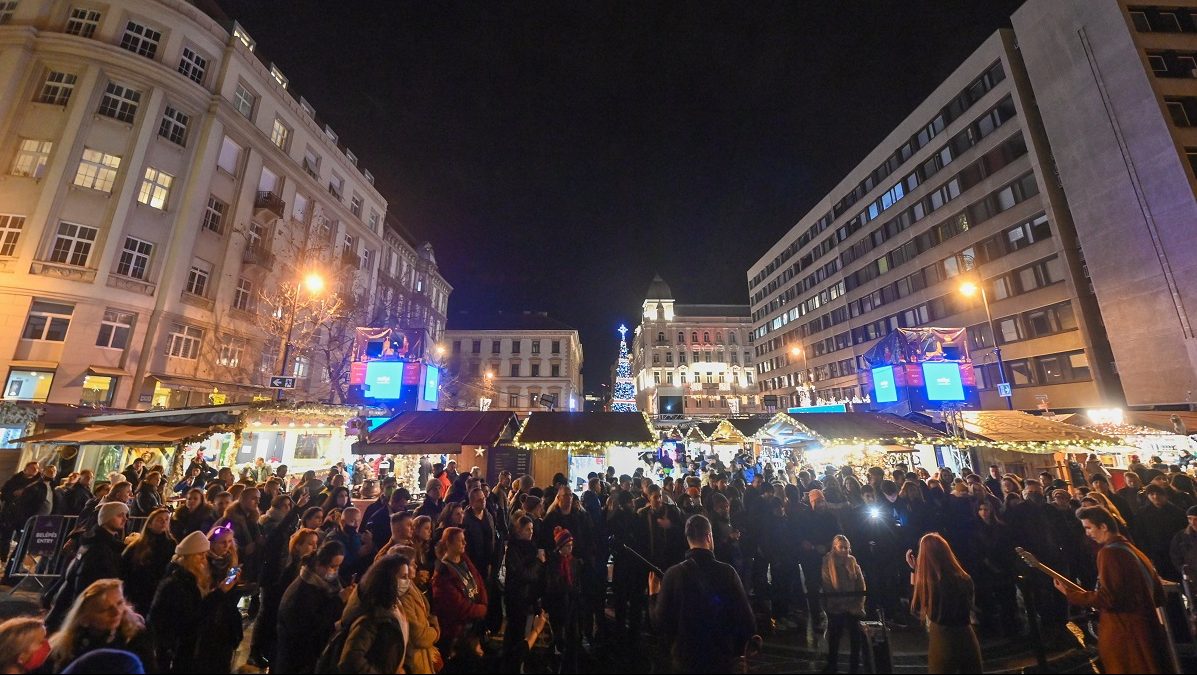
x: 623, y: 332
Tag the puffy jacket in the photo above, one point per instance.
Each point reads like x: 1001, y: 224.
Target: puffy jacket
x: 422, y: 636
x: 376, y: 644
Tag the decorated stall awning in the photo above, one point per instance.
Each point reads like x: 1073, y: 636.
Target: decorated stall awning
x: 584, y: 432
x: 848, y: 428
x: 153, y: 435
x: 437, y: 432
x: 1023, y: 432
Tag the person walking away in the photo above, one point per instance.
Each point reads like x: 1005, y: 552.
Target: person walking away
x: 309, y: 610
x: 700, y: 607
x: 1130, y: 637
x: 841, y: 574
x: 943, y: 599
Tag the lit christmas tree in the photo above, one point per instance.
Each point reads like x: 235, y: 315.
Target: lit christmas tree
x: 624, y: 397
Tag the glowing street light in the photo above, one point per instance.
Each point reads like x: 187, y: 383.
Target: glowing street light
x: 440, y: 350
x: 969, y: 289
x: 314, y: 283
x: 490, y: 375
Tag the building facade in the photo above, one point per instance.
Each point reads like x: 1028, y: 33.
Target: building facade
x: 693, y: 360
x: 1116, y: 83
x: 962, y: 190
x: 162, y: 182
x: 518, y: 362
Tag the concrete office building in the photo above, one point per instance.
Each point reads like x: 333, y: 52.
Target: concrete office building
x: 692, y: 360
x: 160, y: 177
x: 965, y: 180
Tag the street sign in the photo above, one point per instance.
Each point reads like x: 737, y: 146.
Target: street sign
x: 1004, y: 390
x: 282, y: 382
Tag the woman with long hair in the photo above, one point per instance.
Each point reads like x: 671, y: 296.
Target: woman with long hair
x: 425, y: 557
x: 943, y: 600
x: 842, y: 574
x: 338, y: 499
x: 101, y: 619
x: 194, y: 515
x: 458, y: 596
x: 452, y: 515
x: 23, y: 645
x: 378, y: 629
x: 993, y: 559
x: 144, y: 562
x: 223, y: 563
x: 184, y: 610
x: 302, y: 544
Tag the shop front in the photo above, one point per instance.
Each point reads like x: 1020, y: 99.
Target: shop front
x: 575, y: 444
x: 1026, y: 445
x: 857, y: 439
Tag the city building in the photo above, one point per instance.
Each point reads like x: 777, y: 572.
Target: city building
x: 692, y: 360
x: 164, y: 192
x: 963, y: 190
x: 1116, y: 83
x: 525, y: 362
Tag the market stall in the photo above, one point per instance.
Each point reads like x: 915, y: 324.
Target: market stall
x: 577, y: 443
x: 857, y: 439
x: 1025, y: 444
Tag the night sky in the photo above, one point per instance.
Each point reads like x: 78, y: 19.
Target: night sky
x: 558, y: 154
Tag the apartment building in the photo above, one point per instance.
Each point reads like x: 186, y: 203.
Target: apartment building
x: 963, y: 189
x: 692, y: 360
x: 162, y: 181
x: 520, y: 362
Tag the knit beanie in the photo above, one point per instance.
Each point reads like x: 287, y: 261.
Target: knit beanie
x: 561, y: 537
x: 110, y: 510
x: 193, y: 543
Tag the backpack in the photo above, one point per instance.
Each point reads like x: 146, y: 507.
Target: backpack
x: 330, y: 658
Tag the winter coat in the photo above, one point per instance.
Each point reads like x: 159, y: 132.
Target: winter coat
x: 141, y: 578
x: 452, y: 606
x: 850, y: 579
x: 1154, y: 530
x: 480, y: 541
x: 183, y: 522
x: 523, y: 577
x: 184, y: 631
x: 377, y: 643
x: 99, y: 557
x: 307, y: 618
x: 422, y: 636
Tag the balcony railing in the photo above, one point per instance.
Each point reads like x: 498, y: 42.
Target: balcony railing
x: 350, y: 259
x: 258, y: 255
x: 271, y: 202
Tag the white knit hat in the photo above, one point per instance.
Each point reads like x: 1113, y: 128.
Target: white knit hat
x: 193, y: 543
x: 110, y: 510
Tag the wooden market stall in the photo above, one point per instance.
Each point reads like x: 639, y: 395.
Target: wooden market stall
x: 1026, y: 444
x: 857, y: 439
x: 577, y: 443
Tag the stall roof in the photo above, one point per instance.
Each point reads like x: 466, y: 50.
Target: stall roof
x: 609, y: 428
x: 706, y: 428
x: 749, y: 426
x: 427, y: 432
x: 1016, y: 427
x: 833, y: 426
x: 121, y: 434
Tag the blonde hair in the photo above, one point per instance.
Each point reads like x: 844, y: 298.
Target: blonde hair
x: 854, y: 572
x: 442, y: 546
x: 63, y: 642
x: 197, y: 565
x: 297, y: 539
x: 16, y: 635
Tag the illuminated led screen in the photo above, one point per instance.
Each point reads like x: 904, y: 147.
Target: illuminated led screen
x: 885, y: 387
x: 432, y: 383
x: 943, y: 381
x: 384, y: 380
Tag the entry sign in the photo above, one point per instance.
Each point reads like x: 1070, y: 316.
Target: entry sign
x: 1004, y: 390
x: 281, y: 382
x: 46, y: 531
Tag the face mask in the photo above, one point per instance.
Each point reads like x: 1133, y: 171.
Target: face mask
x: 404, y: 585
x: 330, y: 577
x: 38, y: 658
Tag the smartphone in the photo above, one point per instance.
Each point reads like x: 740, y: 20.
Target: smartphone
x: 353, y: 579
x: 233, y: 572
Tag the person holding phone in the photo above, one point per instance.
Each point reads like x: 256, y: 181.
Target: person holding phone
x: 186, y: 636
x: 943, y: 600
x: 224, y: 564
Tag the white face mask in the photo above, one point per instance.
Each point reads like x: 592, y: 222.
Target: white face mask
x: 404, y: 585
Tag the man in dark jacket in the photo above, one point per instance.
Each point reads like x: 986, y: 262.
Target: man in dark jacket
x: 135, y: 472
x: 99, y: 558
x: 1156, y: 526
x: 479, y: 529
x: 378, y: 524
x: 700, y: 607
x: 22, y: 496
x: 664, y: 543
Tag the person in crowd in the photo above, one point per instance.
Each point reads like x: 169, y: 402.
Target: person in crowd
x: 75, y: 497
x: 24, y: 647
x: 401, y: 535
x: 359, y: 551
x: 378, y: 519
x: 1156, y: 525
x: 432, y: 499
x: 700, y: 607
x: 194, y: 479
x: 309, y: 610
x: 135, y: 472
x: 376, y: 628
x: 425, y: 550
x: 183, y: 615
x: 453, y: 515
x: 277, y: 576
x: 1130, y: 637
x: 943, y: 599
x: 1184, y: 543
x: 224, y: 563
x: 337, y: 498
x: 22, y: 496
x: 99, y: 557
x: 144, y: 562
x: 842, y: 574
x: 146, y: 498
x: 458, y: 598
x: 423, y: 628
x: 243, y: 519
x: 664, y: 540
x: 523, y: 578
x: 563, y: 597
x: 313, y: 519
x: 101, y: 618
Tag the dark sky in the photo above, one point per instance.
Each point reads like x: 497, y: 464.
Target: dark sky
x: 558, y: 154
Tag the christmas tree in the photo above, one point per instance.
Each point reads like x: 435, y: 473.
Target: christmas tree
x: 624, y: 397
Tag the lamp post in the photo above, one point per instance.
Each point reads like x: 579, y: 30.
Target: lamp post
x: 314, y: 283
x: 968, y: 289
x: 807, y: 384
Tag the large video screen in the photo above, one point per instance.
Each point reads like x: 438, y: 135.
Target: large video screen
x: 670, y: 405
x: 885, y: 386
x: 943, y: 381
x: 432, y: 383
x: 384, y: 380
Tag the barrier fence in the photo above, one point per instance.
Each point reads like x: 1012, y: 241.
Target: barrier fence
x: 42, y: 555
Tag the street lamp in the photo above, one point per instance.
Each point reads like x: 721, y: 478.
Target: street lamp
x: 807, y: 384
x: 969, y: 289
x: 314, y: 283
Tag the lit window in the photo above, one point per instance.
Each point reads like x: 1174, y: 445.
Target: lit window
x: 57, y: 88
x: 10, y: 233
x: 135, y: 258
x: 184, y: 341
x: 155, y: 188
x: 115, y: 329
x: 120, y: 102
x: 174, y: 126
x: 214, y: 215
x: 197, y: 281
x: 244, y: 100
x: 28, y: 385
x: 32, y: 157
x: 141, y: 40
x: 83, y: 22
x: 280, y: 135
x: 231, y: 353
x: 192, y: 65
x: 72, y: 244
x: 48, y: 321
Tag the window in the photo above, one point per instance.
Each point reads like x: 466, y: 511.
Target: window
x: 513, y: 400
x: 57, y: 88
x: 155, y: 188
x: 120, y: 102
x: 10, y: 233
x: 515, y: 346
x: 28, y: 385
x: 72, y: 244
x: 231, y: 352
x: 97, y: 170
x: 115, y: 329
x: 556, y: 347
x: 1159, y: 66
x: 374, y: 220
x: 229, y: 159
x: 1178, y: 113
x: 706, y: 337
x: 299, y: 210
x: 535, y: 370
x: 366, y: 262
x: 311, y: 163
x: 1008, y: 330
x: 32, y: 157
x: 48, y: 321
x: 135, y: 258
x: 83, y: 22
x: 214, y: 215
x: 355, y: 205
x: 192, y: 65
x: 477, y: 347
x: 1168, y: 23
x: 555, y: 370
x: 457, y: 346
x: 495, y: 345
x: 515, y: 370
x: 243, y: 296
x: 184, y: 341
x: 1139, y: 19
x: 141, y: 40
x: 174, y: 126
x: 280, y: 134
x: 244, y: 100
x: 336, y: 186
x: 536, y: 346
x: 197, y: 280
x: 681, y: 337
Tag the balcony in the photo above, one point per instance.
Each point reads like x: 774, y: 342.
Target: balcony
x: 258, y: 255
x: 350, y: 259
x: 63, y: 271
x: 271, y: 202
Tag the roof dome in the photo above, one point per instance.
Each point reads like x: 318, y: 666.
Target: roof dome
x: 658, y: 290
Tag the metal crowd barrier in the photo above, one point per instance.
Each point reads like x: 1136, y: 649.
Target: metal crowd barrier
x: 40, y: 556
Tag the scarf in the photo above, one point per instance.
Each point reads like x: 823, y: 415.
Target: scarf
x: 308, y: 575
x: 462, y: 570
x: 567, y: 569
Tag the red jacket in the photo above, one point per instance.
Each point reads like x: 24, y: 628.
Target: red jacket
x: 452, y: 607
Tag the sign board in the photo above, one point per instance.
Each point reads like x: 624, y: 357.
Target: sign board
x: 145, y: 398
x: 282, y: 382
x: 1004, y: 390
x: 506, y: 458
x: 46, y: 532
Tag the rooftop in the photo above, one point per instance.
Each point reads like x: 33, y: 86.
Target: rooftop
x: 515, y: 321
x: 737, y: 311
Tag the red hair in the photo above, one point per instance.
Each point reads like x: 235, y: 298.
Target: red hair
x: 935, y: 562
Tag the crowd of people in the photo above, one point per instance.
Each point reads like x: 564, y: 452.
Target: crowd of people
x: 478, y: 576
